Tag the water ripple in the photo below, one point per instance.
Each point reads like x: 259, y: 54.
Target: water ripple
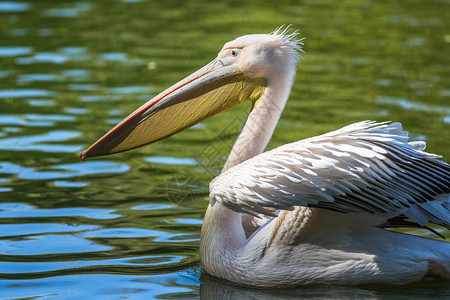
x: 43, y: 57
x: 152, y: 206
x: 14, y: 51
x: 21, y: 210
x: 25, y: 93
x: 71, y: 184
x: 9, y: 6
x: 59, y: 118
x: 97, y: 98
x: 102, y: 286
x: 37, y: 142
x: 67, y: 12
x: 171, y: 160
x: 28, y: 78
x: 19, y: 32
x: 408, y: 104
x: 22, y: 121
x: 37, y: 267
x: 9, y: 230
x: 129, y: 90
x: 83, y: 87
x: 40, y: 103
x: 77, y: 74
x: 76, y: 110
x: 189, y: 221
x: 64, y: 170
x: 45, y: 31
x: 157, y: 235
x: 114, y: 56
x: 49, y: 244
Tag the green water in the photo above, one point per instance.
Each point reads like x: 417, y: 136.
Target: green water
x: 128, y: 225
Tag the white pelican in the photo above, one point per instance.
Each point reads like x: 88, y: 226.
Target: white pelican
x: 322, y: 202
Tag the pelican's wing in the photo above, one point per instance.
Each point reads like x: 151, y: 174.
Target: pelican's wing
x: 364, y: 167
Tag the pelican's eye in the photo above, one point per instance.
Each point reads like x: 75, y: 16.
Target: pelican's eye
x: 228, y: 56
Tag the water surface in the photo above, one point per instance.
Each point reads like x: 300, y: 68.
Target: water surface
x: 128, y: 225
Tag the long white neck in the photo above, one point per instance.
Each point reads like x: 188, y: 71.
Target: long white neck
x: 260, y: 124
x: 222, y: 232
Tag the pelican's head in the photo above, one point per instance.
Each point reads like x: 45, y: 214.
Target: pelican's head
x: 241, y: 72
x: 263, y: 55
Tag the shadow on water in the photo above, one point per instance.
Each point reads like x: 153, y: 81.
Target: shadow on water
x: 129, y: 225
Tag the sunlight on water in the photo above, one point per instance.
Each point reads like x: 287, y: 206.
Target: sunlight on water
x: 128, y: 225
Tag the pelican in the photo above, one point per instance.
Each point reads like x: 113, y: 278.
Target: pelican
x: 313, y: 211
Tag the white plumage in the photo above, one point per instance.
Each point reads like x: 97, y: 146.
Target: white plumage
x: 362, y: 168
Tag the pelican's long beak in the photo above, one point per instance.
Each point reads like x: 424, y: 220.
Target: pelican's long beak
x: 211, y: 90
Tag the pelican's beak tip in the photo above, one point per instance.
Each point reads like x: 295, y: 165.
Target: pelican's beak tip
x: 82, y: 156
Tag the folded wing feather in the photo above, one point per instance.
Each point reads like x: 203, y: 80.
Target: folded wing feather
x: 365, y: 167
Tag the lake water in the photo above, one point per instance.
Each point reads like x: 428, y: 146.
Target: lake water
x: 127, y: 226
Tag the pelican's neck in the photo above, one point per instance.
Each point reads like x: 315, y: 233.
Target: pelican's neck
x: 261, y: 123
x: 222, y: 232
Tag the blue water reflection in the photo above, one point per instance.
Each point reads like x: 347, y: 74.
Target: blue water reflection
x: 45, y: 31
x: 43, y: 57
x: 408, y: 104
x: 113, y: 56
x: 10, y: 6
x: 64, y: 170
x: 38, y: 103
x: 11, y: 129
x: 67, y: 12
x: 128, y: 232
x: 21, y: 210
x: 49, y: 244
x: 38, y: 142
x: 152, y: 206
x: 9, y: 230
x: 76, y: 110
x: 29, y: 78
x: 18, y: 267
x: 129, y: 90
x: 70, y: 184
x: 189, y: 221
x: 99, y: 98
x: 25, y: 93
x: 19, y: 32
x: 82, y: 87
x: 171, y: 160
x: 76, y: 74
x: 103, y: 286
x: 14, y: 51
